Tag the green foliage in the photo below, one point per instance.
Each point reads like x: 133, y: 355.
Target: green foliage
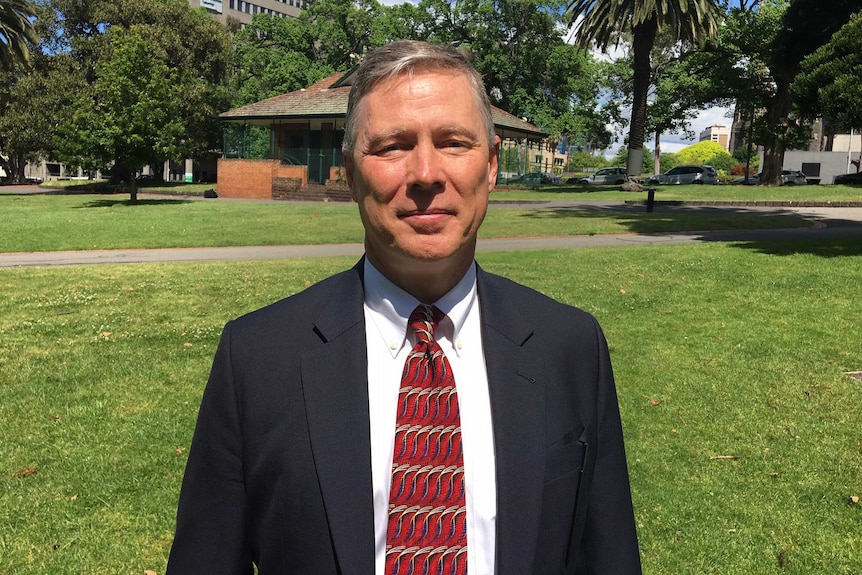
x: 830, y: 84
x: 600, y: 23
x: 154, y: 82
x: 580, y: 159
x: 16, y: 30
x: 274, y: 56
x: 621, y: 159
x: 700, y: 152
x: 667, y: 161
x: 722, y: 161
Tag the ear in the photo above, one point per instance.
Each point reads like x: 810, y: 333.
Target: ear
x: 349, y: 173
x: 493, y: 163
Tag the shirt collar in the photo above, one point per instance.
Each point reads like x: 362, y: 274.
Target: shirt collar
x: 391, y: 306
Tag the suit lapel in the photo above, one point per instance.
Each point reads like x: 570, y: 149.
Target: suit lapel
x: 516, y: 388
x: 334, y: 380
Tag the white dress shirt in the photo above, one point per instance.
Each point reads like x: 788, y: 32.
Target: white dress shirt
x: 387, y: 309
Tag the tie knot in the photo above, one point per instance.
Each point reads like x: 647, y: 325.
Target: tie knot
x: 423, y: 321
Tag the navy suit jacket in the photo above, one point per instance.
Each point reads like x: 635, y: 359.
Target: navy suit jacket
x: 279, y: 470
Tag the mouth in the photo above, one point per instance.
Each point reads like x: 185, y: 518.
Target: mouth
x: 426, y: 220
x: 425, y: 213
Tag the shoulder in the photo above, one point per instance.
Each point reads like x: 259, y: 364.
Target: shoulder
x: 342, y: 290
x: 523, y: 302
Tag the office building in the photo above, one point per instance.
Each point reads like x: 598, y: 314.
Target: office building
x: 237, y: 13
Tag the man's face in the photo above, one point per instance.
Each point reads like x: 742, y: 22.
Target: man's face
x: 421, y: 172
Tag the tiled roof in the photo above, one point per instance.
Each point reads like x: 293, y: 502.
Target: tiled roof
x: 321, y: 100
x: 316, y: 101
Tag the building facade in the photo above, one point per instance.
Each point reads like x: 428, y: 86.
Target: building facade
x: 237, y: 13
x: 717, y: 133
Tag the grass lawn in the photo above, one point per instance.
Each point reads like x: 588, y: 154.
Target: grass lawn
x: 742, y: 427
x: 78, y: 222
x: 103, y: 187
x: 738, y: 193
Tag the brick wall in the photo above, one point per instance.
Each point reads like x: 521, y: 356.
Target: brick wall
x: 243, y: 178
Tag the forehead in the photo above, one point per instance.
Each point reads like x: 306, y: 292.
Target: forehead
x: 417, y: 92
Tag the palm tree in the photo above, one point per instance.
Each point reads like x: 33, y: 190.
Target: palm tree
x: 16, y: 28
x: 601, y: 22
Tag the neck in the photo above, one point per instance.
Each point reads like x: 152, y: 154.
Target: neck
x: 426, y: 281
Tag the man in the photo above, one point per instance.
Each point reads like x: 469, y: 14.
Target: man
x: 299, y: 461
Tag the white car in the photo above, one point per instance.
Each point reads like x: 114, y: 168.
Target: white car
x: 788, y: 178
x: 605, y: 176
x: 686, y: 175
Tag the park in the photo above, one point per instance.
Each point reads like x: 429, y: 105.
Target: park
x: 731, y: 311
x: 734, y: 363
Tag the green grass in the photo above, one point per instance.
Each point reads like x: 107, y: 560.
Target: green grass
x: 742, y: 429
x: 78, y: 222
x: 733, y: 193
x: 103, y: 187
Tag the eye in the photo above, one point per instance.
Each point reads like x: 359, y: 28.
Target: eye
x: 456, y: 145
x: 387, y: 149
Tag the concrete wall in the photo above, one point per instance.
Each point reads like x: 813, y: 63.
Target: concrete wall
x: 831, y: 163
x: 242, y: 178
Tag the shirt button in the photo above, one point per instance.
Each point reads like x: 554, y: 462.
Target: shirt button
x: 393, y: 345
x: 459, y: 344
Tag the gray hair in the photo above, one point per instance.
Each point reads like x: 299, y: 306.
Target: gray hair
x: 407, y: 57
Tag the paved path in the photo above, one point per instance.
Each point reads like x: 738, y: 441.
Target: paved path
x: 830, y: 223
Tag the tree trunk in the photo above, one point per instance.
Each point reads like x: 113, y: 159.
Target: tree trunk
x: 656, y: 162
x: 18, y: 162
x: 643, y: 40
x: 773, y: 147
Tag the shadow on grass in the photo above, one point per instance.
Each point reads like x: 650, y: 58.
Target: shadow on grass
x: 637, y: 220
x: 129, y: 203
x: 824, y: 248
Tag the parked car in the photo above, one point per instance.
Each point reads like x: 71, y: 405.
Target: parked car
x: 849, y: 179
x: 536, y: 178
x: 531, y: 179
x: 604, y: 176
x: 788, y: 178
x: 686, y: 175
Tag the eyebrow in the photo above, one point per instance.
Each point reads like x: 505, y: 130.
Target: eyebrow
x: 446, y: 131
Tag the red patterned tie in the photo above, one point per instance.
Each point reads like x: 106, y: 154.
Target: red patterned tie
x: 427, y: 533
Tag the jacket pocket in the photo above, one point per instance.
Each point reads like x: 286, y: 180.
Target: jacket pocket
x: 570, y: 457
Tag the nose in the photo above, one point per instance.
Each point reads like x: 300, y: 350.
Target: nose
x: 426, y: 168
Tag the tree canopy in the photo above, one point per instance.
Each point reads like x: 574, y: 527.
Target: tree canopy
x: 16, y: 31
x: 599, y: 23
x: 830, y: 83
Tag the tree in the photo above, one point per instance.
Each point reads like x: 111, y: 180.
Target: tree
x: 528, y: 69
x: 830, y: 83
x: 154, y: 75
x: 32, y: 107
x: 701, y: 152
x: 274, y: 56
x: 623, y: 159
x: 131, y: 115
x: 806, y: 25
x: 16, y: 30
x: 600, y: 22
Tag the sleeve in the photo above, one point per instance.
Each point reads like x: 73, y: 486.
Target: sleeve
x: 211, y: 516
x: 610, y: 539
